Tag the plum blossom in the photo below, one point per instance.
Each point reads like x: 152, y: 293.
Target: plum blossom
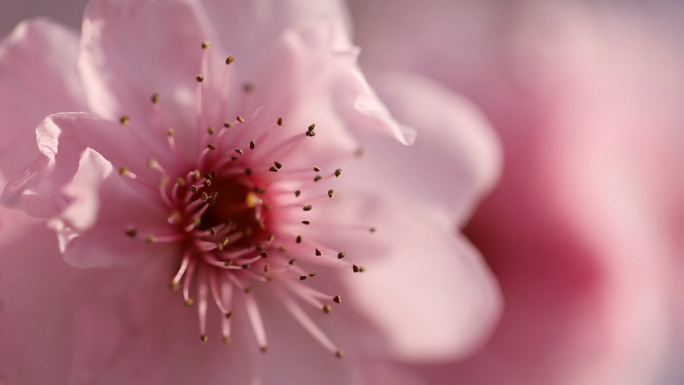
x: 584, y: 229
x: 223, y: 170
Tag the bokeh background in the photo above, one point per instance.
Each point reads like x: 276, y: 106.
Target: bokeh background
x: 584, y: 229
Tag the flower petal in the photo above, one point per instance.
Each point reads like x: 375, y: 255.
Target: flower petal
x: 427, y: 290
x: 455, y: 160
x: 38, y: 77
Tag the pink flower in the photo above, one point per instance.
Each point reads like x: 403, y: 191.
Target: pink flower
x: 587, y: 101
x: 167, y: 162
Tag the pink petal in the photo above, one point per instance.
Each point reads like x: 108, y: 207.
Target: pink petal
x: 38, y: 77
x: 426, y: 289
x: 455, y: 160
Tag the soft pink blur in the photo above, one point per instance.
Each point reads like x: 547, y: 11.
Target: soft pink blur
x: 585, y: 228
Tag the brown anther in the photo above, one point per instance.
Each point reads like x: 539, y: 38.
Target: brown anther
x: 306, y: 222
x: 271, y: 237
x: 248, y: 171
x: 211, y: 201
x: 298, y: 239
x: 338, y: 172
x: 361, y: 269
x: 318, y: 252
x: 264, y: 349
x: 327, y: 309
x: 194, y: 189
x: 264, y: 254
x: 341, y: 255
x: 331, y: 193
x: 204, y: 338
x: 311, y: 127
x: 124, y: 119
x: 207, y: 183
x: 174, y: 286
x: 196, y: 174
x: 302, y: 277
x: 356, y: 269
x: 297, y: 193
x: 199, y: 78
x: 311, y: 133
x: 189, y: 302
x: 282, y: 248
x: 267, y: 267
x: 317, y: 178
x: 180, y: 181
x: 278, y: 165
x: 230, y: 60
x: 207, y: 175
x: 273, y: 169
x: 226, y: 124
x: 226, y: 340
x: 212, y: 231
x: 292, y: 261
x: 131, y: 233
x: 312, y: 274
x: 197, y: 222
x: 372, y: 229
x: 211, y: 146
x: 229, y: 314
x: 280, y: 121
x: 123, y: 170
x: 225, y: 241
x: 339, y: 354
x: 211, y: 130
x: 239, y: 151
x: 149, y: 239
x: 247, y: 232
x: 248, y: 289
x: 252, y: 144
x: 317, y: 169
x: 337, y: 299
x: 240, y: 119
x: 261, y: 225
x: 170, y: 132
x: 247, y: 87
x: 155, y: 98
x: 246, y: 266
x: 214, y: 174
x: 228, y: 263
x: 307, y: 208
x: 206, y: 45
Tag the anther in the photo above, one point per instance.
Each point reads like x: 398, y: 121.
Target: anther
x: 149, y: 239
x: 331, y: 193
x: 123, y: 170
x: 298, y: 193
x: 317, y: 178
x: 211, y: 130
x: 226, y: 124
x: 311, y: 127
x: 356, y: 269
x: 317, y: 169
x: 273, y: 169
x: 247, y: 87
x: 230, y: 60
x: 298, y: 239
x: 212, y: 231
x: 229, y: 314
x: 180, y: 181
x: 292, y: 261
x: 207, y: 183
x: 306, y: 222
x: 339, y: 354
x: 372, y: 229
x: 194, y: 189
x: 155, y: 98
x: 204, y: 338
x: 170, y: 132
x: 211, y: 146
x: 271, y: 237
x: 337, y: 299
x: 264, y: 254
x: 226, y: 340
x: 199, y: 78
x: 131, y: 233
x: 248, y: 171
x: 239, y: 151
x: 307, y: 208
x: 240, y: 119
x: 174, y: 286
x: 206, y: 45
x: 278, y: 165
x: 327, y: 309
x: 263, y: 349
x: 207, y: 175
x: 124, y: 119
x: 248, y: 289
x: 280, y: 121
x: 214, y: 174
x: 267, y: 267
x: 196, y: 174
x: 302, y: 277
x: 189, y: 302
x: 338, y: 172
x: 311, y: 133
x: 312, y: 274
x: 282, y: 248
x: 341, y: 255
x: 252, y: 144
x: 318, y: 252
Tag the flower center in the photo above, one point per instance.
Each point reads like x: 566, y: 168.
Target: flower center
x: 235, y: 217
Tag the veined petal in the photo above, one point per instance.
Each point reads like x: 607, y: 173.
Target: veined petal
x: 38, y: 77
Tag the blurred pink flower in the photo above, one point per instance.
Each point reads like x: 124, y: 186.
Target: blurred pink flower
x: 583, y: 229
x: 167, y: 161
